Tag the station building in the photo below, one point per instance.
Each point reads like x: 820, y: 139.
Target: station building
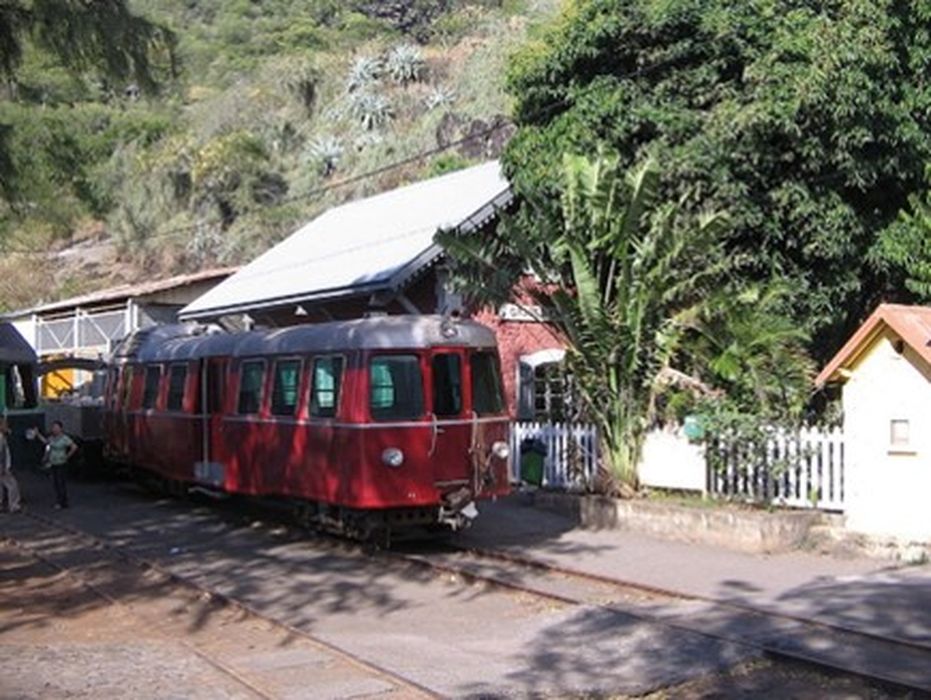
x: 377, y: 255
x: 88, y: 326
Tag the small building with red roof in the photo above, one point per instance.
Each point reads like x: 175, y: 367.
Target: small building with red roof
x: 885, y: 373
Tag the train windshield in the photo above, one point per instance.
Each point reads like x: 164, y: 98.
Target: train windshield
x: 395, y: 387
x: 447, y: 385
x: 487, y: 396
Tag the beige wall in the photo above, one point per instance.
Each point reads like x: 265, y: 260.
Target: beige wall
x: 888, y: 488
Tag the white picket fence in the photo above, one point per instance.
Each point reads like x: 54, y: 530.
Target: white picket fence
x: 803, y: 469
x: 571, y: 460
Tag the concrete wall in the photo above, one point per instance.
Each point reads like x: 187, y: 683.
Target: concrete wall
x: 888, y: 487
x: 670, y: 461
x: 738, y: 528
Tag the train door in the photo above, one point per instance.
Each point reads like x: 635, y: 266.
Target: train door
x: 323, y: 455
x: 124, y: 421
x: 450, y: 426
x: 211, y: 468
x: 488, y: 435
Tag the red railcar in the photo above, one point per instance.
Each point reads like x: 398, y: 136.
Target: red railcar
x: 366, y: 424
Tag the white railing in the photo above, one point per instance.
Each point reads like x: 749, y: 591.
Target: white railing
x: 81, y: 330
x: 803, y: 469
x: 571, y: 460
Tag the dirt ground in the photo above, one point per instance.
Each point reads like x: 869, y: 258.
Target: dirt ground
x: 110, y: 628
x: 64, y: 638
x: 61, y: 638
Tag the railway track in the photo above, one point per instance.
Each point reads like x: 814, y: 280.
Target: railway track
x: 407, y: 687
x: 894, y: 664
x: 900, y: 664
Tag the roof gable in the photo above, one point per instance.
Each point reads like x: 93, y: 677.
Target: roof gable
x: 911, y: 323
x: 365, y: 245
x: 13, y: 347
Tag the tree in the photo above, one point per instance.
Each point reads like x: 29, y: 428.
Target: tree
x: 905, y: 247
x: 746, y: 345
x: 805, y: 120
x: 620, y: 276
x: 102, y: 35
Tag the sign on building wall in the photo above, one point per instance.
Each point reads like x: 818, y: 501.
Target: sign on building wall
x: 527, y: 313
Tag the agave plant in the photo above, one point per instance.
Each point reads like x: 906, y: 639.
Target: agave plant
x: 404, y: 64
x: 326, y: 152
x: 439, y: 96
x: 370, y: 110
x: 364, y: 73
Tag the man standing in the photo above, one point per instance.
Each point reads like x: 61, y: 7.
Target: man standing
x: 59, y: 448
x: 7, y: 480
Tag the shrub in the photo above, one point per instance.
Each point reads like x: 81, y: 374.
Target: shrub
x: 364, y: 73
x: 370, y: 110
x: 404, y: 64
x: 326, y: 152
x: 438, y: 97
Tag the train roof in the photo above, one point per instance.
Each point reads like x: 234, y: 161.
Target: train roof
x: 182, y: 342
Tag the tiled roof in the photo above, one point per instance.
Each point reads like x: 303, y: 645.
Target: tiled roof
x: 911, y: 323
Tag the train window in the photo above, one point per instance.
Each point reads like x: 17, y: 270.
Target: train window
x: 215, y: 376
x: 177, y: 377
x: 113, y: 377
x: 251, y: 375
x: 153, y: 375
x: 396, y: 387
x: 126, y: 387
x: 324, y: 398
x: 487, y: 396
x: 447, y: 385
x: 285, y: 389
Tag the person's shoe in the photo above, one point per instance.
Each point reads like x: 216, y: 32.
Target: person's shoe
x: 57, y: 506
x: 16, y: 510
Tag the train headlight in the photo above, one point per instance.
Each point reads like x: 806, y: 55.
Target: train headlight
x: 501, y: 450
x: 392, y: 457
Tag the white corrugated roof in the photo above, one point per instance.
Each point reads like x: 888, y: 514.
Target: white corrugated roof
x: 370, y: 243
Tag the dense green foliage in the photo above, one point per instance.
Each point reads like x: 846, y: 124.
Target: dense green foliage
x: 905, y: 246
x: 193, y: 134
x: 617, y: 278
x: 104, y: 36
x: 54, y: 53
x: 808, y: 122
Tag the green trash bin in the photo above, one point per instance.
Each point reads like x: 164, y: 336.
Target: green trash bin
x: 532, y: 458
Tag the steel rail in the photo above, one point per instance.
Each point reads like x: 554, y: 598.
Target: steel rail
x: 538, y: 564
x: 210, y: 594
x: 768, y: 649
x: 158, y: 626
